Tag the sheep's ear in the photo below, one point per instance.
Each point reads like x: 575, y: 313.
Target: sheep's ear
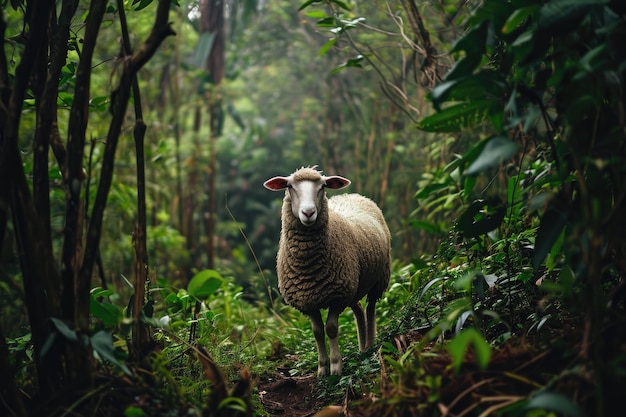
x: 276, y: 183
x: 336, y: 182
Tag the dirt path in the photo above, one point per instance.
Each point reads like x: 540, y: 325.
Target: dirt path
x: 289, y: 396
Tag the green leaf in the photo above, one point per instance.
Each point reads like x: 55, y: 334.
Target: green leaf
x: 327, y: 22
x: 316, y: 14
x: 441, y: 91
x: 353, y: 62
x: 68, y: 333
x: 473, y: 43
x: 100, y: 103
x: 496, y: 150
x: 431, y: 283
x: 204, y: 284
x: 459, y: 116
x: 65, y: 99
x: 308, y: 3
x: 481, y: 217
x: 493, y: 12
x: 102, y: 343
x: 134, y: 411
x: 486, y: 84
x: 341, y: 4
x: 518, y: 17
x: 562, y: 16
x: 111, y: 315
x: 461, y: 343
x: 426, y: 191
x: 550, y: 227
x: 557, y: 403
x: 326, y: 47
x: 468, y: 185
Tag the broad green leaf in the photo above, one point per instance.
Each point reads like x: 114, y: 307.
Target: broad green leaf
x: 308, y: 3
x: 518, y: 17
x: 316, y: 14
x: 352, y: 62
x: 461, y: 343
x: 557, y: 403
x: 65, y: 99
x: 493, y: 12
x: 100, y: 103
x: 496, y: 150
x: 102, y: 343
x: 481, y: 217
x: 341, y: 4
x: 550, y: 227
x: 327, y: 22
x: 431, y: 283
x: 101, y: 292
x: 441, y: 91
x: 204, y: 284
x: 473, y: 43
x: 430, y: 188
x: 134, y: 411
x: 590, y: 61
x: 142, y: 4
x: 110, y: 314
x: 459, y: 116
x: 473, y: 87
x: 68, y: 333
x: 561, y: 16
x: 468, y: 185
x: 326, y: 47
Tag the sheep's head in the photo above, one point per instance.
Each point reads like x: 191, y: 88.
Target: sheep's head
x: 306, y: 189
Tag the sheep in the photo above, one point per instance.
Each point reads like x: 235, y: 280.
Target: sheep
x: 332, y: 253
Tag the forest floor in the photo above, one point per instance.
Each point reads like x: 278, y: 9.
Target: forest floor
x: 430, y: 386
x: 289, y: 396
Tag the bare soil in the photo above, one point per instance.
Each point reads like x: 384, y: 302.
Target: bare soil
x: 289, y: 396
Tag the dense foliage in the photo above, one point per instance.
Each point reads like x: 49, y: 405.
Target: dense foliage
x: 137, y: 275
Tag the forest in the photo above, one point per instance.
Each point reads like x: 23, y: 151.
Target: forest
x: 138, y: 244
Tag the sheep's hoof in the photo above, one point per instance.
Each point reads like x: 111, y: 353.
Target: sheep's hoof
x: 335, y: 368
x: 321, y: 371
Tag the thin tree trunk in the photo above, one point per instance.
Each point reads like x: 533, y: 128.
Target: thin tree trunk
x: 141, y: 334
x: 212, y: 21
x: 215, y: 68
x: 40, y: 277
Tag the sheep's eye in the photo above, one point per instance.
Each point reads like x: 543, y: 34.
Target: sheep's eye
x: 289, y: 186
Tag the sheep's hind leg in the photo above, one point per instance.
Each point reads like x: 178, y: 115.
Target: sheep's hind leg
x: 332, y: 330
x: 359, y: 318
x: 320, y: 338
x: 371, y: 323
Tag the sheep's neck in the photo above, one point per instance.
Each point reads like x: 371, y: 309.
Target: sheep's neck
x: 304, y: 239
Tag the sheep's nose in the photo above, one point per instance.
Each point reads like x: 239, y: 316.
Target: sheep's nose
x: 308, y: 212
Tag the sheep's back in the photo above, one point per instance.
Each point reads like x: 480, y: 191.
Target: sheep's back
x: 370, y: 238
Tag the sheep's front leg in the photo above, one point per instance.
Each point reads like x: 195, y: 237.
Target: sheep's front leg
x: 332, y: 330
x: 320, y: 339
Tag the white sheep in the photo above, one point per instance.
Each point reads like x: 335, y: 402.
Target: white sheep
x: 332, y: 253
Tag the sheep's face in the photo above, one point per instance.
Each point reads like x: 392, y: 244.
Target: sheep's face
x: 306, y: 190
